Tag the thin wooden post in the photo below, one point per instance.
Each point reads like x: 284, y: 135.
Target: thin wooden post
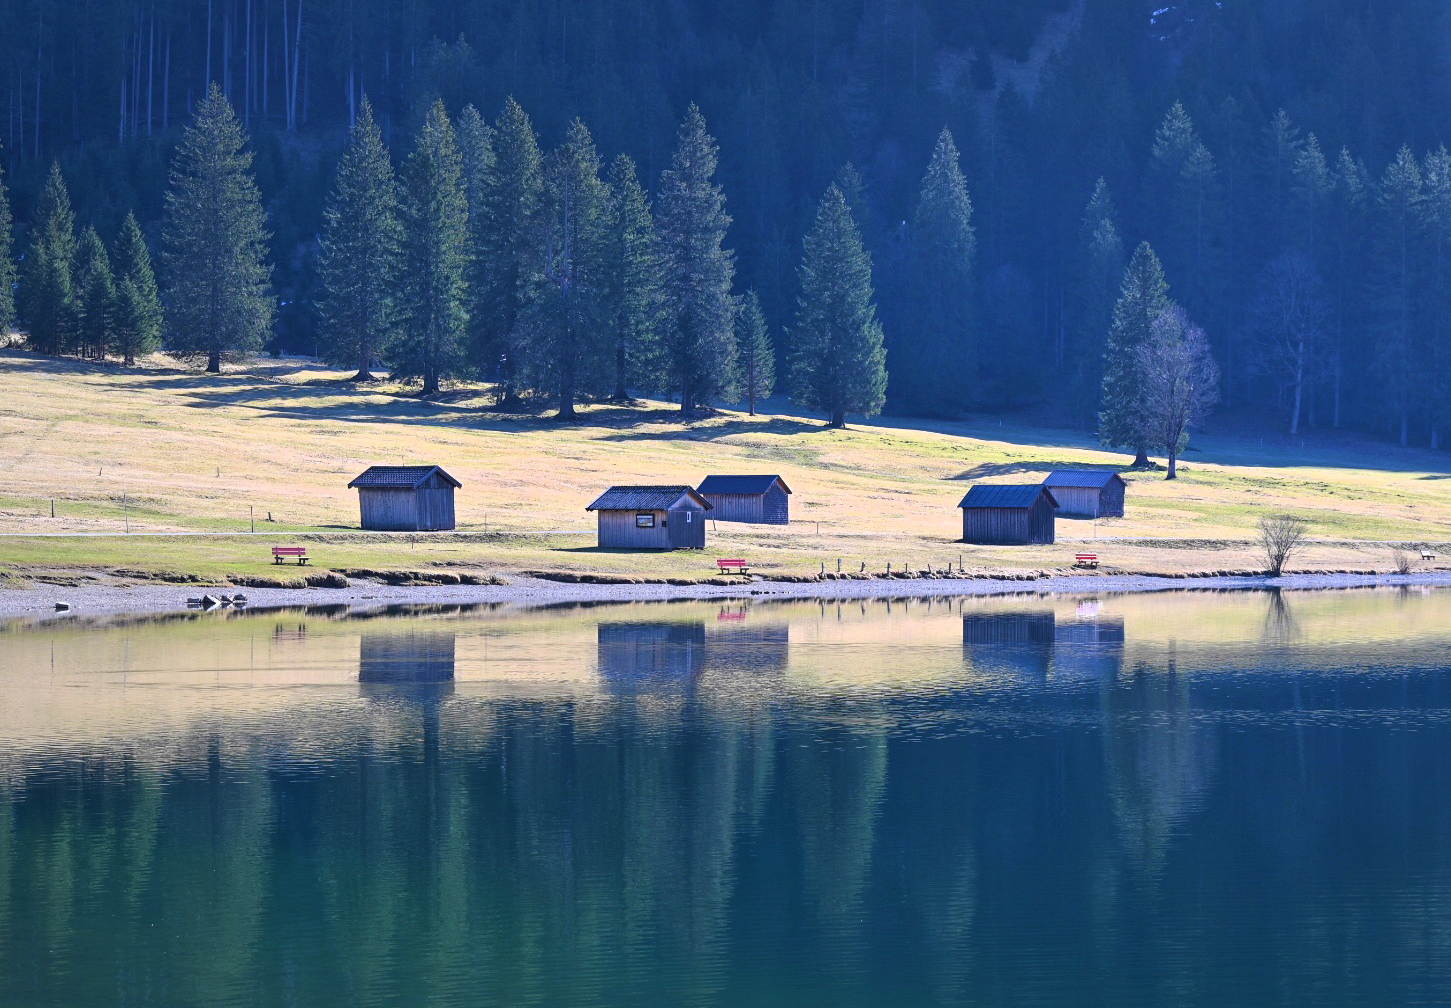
x: 52, y: 507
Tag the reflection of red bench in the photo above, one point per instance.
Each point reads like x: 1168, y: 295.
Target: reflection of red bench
x: 732, y: 566
x: 281, y: 553
x: 1085, y: 559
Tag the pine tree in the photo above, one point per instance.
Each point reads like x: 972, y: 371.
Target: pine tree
x: 95, y: 296
x: 572, y: 353
x: 1283, y: 148
x: 214, y: 239
x: 1397, y: 275
x: 434, y: 217
x: 1095, y: 274
x: 7, y: 261
x: 755, y: 357
x: 838, y: 365
x: 358, y: 267
x: 1435, y: 220
x: 1311, y: 188
x: 633, y: 299
x: 138, y: 303
x: 699, y: 334
x: 477, y: 164
x: 934, y: 354
x: 1348, y: 274
x: 48, y: 297
x: 1142, y: 299
x: 508, y: 277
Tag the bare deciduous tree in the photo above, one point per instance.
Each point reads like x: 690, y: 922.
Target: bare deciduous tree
x: 1291, y: 319
x: 1180, y: 382
x: 1281, y: 535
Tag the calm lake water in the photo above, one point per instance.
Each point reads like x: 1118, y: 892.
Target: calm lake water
x: 1180, y: 799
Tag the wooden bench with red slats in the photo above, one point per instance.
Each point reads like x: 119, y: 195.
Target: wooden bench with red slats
x: 733, y: 566
x: 1085, y: 559
x: 281, y: 553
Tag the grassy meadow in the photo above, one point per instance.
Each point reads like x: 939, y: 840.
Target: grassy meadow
x: 162, y: 448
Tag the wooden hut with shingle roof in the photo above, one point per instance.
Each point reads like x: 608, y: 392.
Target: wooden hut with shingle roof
x: 406, y: 498
x: 651, y: 517
x: 1008, y: 515
x: 1087, y: 493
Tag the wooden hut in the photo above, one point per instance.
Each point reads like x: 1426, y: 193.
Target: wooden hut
x: 1087, y: 493
x: 651, y: 517
x: 1008, y: 515
x: 758, y: 500
x: 406, y: 498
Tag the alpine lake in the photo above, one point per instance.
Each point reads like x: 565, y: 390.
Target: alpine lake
x: 1166, y: 799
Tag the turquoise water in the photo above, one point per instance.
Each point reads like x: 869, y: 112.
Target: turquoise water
x: 1188, y: 799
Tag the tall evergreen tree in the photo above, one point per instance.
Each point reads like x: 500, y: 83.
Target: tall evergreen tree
x: 755, y: 356
x: 1435, y: 218
x: 934, y: 351
x: 838, y: 364
x: 508, y: 275
x: 572, y: 352
x: 48, y: 305
x: 214, y: 238
x: 434, y: 216
x: 95, y: 297
x: 138, y: 302
x: 1095, y: 274
x: 1348, y: 274
x: 358, y: 267
x: 699, y: 335
x: 1143, y: 297
x: 1396, y: 359
x: 1311, y: 189
x: 476, y: 158
x: 7, y: 261
x: 633, y: 298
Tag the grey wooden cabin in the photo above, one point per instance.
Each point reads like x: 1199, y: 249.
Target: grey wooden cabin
x: 651, y: 517
x: 758, y: 500
x: 1008, y: 515
x: 1087, y: 493
x: 406, y: 498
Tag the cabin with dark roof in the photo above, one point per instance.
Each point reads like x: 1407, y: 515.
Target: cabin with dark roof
x: 651, y: 517
x: 406, y: 499
x: 1008, y: 515
x: 757, y: 500
x: 1087, y: 493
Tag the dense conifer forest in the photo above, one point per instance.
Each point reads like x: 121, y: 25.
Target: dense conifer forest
x: 579, y: 199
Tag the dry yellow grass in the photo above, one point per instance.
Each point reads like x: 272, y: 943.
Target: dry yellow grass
x: 188, y: 451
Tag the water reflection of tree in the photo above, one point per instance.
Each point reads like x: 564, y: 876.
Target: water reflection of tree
x: 1281, y: 626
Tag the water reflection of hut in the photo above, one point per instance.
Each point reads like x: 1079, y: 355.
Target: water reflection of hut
x: 1015, y: 643
x: 641, y: 653
x: 750, y: 648
x: 1089, y: 649
x: 409, y: 656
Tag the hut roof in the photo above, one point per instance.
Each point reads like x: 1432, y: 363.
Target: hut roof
x: 399, y: 477
x: 645, y: 498
x: 1094, y: 478
x: 740, y: 484
x: 999, y: 495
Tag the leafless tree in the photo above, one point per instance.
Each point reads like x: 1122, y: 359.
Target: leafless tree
x: 1291, y: 319
x: 1281, y: 536
x: 1180, y: 382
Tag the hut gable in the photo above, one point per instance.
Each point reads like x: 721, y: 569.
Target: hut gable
x: 1087, y: 493
x: 1008, y: 514
x: 760, y: 500
x: 651, y: 517
x: 405, y: 498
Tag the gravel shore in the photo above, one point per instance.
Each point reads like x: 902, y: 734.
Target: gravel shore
x: 100, y: 599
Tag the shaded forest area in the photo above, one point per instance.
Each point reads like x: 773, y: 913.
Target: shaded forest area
x: 1282, y: 157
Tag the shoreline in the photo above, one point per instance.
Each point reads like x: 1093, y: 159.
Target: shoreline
x: 37, y: 604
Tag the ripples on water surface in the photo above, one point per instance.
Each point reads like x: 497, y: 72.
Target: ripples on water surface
x: 1178, y: 799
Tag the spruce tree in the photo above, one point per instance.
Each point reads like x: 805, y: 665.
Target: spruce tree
x: 1095, y: 274
x: 755, y: 357
x: 1396, y: 360
x: 1144, y: 296
x: 138, y: 303
x: 214, y: 239
x: 508, y: 275
x: 47, y: 286
x: 476, y: 159
x: 1311, y: 188
x: 434, y: 216
x: 1435, y: 216
x: 358, y: 267
x: 934, y: 355
x: 632, y: 298
x: 95, y: 296
x: 7, y: 261
x: 572, y: 352
x: 699, y: 334
x: 838, y: 365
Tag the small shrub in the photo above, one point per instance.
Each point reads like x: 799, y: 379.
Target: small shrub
x: 1281, y: 536
x: 1402, y: 561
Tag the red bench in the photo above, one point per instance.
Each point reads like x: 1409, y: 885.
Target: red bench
x: 1085, y: 559
x: 732, y: 566
x: 281, y: 553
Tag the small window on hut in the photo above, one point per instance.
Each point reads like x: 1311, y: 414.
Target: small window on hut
x: 644, y: 519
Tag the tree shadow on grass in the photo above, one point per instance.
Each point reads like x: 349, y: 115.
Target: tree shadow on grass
x: 986, y: 470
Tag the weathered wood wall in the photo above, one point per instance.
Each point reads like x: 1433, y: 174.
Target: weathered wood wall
x: 387, y: 510
x: 617, y: 531
x: 1008, y: 526
x: 771, y: 508
x: 1076, y: 502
